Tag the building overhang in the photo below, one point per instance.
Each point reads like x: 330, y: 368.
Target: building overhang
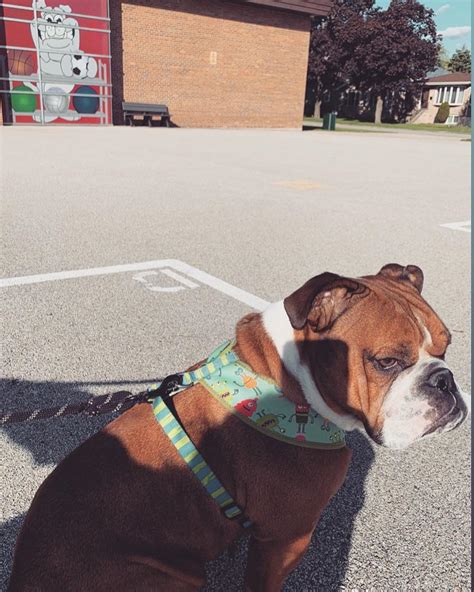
x: 310, y: 7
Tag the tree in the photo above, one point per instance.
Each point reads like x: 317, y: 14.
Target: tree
x: 443, y: 57
x: 385, y: 52
x: 332, y: 41
x: 460, y: 60
x: 398, y: 47
x: 443, y: 113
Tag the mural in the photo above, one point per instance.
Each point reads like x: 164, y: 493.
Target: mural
x: 57, y: 61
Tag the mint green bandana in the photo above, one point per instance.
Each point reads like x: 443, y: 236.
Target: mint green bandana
x: 259, y: 402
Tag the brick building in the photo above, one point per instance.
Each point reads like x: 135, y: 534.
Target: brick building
x: 215, y: 63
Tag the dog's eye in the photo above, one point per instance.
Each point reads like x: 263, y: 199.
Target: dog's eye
x: 387, y: 363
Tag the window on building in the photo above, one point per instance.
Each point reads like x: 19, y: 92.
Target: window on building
x: 454, y: 95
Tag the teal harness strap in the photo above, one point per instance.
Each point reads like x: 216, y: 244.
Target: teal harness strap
x: 219, y: 359
x: 254, y: 399
x: 195, y: 461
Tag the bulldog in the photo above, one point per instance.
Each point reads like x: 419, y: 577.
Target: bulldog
x: 123, y: 512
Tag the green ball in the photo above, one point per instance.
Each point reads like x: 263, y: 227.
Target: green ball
x: 23, y: 99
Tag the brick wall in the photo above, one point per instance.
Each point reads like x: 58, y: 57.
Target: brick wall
x: 215, y: 63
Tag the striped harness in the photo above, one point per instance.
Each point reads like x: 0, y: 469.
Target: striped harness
x: 255, y: 399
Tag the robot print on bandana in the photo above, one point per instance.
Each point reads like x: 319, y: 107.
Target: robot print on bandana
x: 302, y: 417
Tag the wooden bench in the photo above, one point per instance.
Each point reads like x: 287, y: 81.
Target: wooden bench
x: 147, y: 112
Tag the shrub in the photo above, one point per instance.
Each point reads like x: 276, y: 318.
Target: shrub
x: 443, y: 113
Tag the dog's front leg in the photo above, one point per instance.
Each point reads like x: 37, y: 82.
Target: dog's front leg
x: 270, y: 561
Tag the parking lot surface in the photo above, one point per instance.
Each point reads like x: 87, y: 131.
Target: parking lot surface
x: 129, y: 254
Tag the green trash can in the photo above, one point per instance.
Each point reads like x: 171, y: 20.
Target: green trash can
x: 329, y: 121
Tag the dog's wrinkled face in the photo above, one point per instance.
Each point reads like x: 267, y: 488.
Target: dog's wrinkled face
x: 375, y: 350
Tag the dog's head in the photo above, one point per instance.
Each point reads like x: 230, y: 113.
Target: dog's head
x: 370, y: 351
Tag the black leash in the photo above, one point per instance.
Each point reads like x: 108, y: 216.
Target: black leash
x: 118, y: 401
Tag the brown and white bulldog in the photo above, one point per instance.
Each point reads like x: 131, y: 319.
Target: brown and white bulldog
x: 124, y: 513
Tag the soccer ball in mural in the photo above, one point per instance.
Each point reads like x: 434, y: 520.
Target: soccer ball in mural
x: 79, y: 66
x: 57, y: 102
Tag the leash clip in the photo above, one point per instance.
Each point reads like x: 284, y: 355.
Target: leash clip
x: 170, y: 386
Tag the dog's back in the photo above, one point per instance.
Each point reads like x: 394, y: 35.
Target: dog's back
x: 123, y: 512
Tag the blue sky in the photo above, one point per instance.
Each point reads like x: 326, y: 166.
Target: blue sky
x: 453, y: 19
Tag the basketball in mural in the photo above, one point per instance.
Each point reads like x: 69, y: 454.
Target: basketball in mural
x: 86, y: 104
x: 23, y: 99
x: 20, y: 62
x: 56, y: 100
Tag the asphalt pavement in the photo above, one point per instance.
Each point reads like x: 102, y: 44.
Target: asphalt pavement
x: 230, y: 218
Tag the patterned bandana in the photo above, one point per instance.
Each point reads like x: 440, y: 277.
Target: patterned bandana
x: 259, y: 402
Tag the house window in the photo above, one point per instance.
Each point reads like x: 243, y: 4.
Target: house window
x: 453, y: 95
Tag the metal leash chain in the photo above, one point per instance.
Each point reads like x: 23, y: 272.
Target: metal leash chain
x: 119, y: 401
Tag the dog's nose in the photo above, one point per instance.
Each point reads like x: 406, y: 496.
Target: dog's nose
x: 442, y: 380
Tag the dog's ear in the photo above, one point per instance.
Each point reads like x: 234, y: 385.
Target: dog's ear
x: 321, y: 301
x: 411, y: 274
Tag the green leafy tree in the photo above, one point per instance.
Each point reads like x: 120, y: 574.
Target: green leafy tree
x: 385, y: 52
x: 398, y: 47
x: 460, y: 60
x: 443, y: 57
x: 333, y: 39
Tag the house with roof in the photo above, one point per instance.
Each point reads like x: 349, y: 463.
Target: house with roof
x: 450, y: 87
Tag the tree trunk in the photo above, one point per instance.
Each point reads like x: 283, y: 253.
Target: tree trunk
x: 317, y: 110
x: 378, y: 110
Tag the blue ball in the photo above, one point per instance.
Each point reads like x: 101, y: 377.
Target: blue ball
x: 86, y: 105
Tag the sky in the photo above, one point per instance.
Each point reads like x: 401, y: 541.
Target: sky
x: 453, y: 20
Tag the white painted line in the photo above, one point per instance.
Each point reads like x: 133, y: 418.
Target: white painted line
x: 179, y: 278
x: 180, y: 266
x: 142, y: 278
x: 217, y: 284
x: 462, y: 226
